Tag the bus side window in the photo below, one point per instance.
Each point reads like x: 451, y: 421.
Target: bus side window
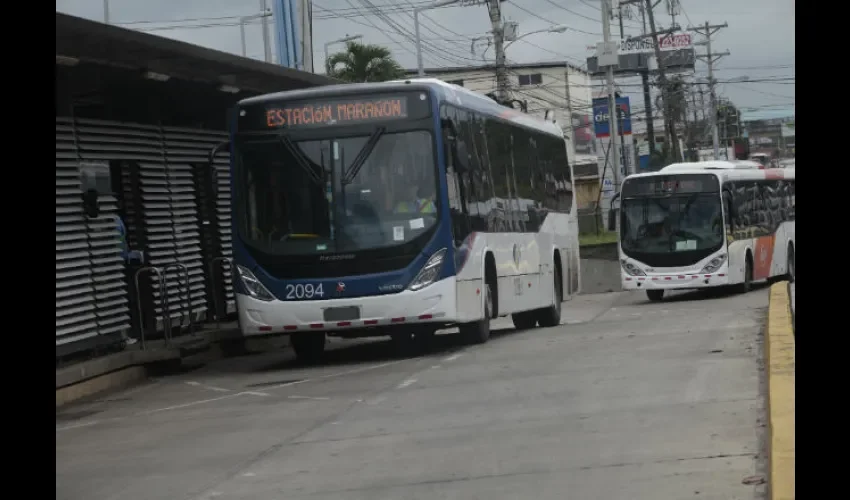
x: 727, y: 207
x: 454, y: 181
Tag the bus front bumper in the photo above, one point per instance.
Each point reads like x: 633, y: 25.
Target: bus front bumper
x: 673, y: 281
x: 433, y: 304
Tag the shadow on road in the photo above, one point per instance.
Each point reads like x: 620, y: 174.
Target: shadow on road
x: 708, y: 293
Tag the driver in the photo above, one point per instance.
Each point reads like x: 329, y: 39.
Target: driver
x: 419, y: 200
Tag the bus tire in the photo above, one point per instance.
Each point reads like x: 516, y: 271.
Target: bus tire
x: 308, y: 347
x: 791, y: 266
x: 655, y: 295
x: 478, y: 332
x: 525, y: 320
x: 747, y: 285
x: 551, y: 316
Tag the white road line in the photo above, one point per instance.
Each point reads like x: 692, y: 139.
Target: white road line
x: 434, y: 367
x: 406, y: 383
x: 193, y: 403
x: 451, y: 358
x: 207, y: 387
x: 255, y: 393
x: 309, y: 397
x: 77, y: 426
x: 333, y: 375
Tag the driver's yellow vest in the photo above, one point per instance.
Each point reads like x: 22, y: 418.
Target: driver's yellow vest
x: 422, y: 206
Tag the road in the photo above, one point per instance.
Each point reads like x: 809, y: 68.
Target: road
x: 625, y: 400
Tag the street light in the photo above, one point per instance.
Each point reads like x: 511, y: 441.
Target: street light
x: 553, y: 29
x: 416, y: 12
x: 344, y: 39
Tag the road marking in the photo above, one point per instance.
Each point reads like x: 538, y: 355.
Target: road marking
x: 406, y: 383
x: 255, y: 393
x: 309, y: 397
x: 77, y: 426
x: 334, y: 375
x: 451, y: 358
x: 193, y: 403
x: 435, y: 367
x: 208, y: 387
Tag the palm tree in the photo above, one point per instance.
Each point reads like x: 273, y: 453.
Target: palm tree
x: 364, y: 63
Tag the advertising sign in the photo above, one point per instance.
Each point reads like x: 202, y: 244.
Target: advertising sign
x: 600, y: 117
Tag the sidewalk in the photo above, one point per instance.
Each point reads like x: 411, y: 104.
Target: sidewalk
x: 131, y: 365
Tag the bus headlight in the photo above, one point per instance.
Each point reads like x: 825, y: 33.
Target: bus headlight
x: 714, y: 265
x: 430, y: 271
x: 252, y: 285
x: 631, y: 269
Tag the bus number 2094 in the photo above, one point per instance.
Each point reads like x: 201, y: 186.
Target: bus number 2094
x: 307, y: 291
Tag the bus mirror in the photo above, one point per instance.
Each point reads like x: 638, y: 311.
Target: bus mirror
x: 461, y: 159
x: 90, y: 204
x: 218, y: 148
x: 612, y: 219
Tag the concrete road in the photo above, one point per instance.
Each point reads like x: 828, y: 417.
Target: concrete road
x: 627, y: 400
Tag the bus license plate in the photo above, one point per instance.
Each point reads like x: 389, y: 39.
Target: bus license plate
x: 342, y: 313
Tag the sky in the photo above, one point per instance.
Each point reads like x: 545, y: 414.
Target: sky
x: 759, y: 36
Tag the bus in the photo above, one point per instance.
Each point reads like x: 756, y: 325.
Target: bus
x: 397, y: 209
x: 711, y: 224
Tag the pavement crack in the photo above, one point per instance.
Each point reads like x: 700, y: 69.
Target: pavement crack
x: 669, y: 460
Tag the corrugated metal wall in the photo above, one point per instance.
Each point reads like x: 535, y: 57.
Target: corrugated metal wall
x: 175, y: 211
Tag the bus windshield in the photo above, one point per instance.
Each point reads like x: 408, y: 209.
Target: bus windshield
x: 671, y: 220
x: 672, y: 224
x: 335, y: 194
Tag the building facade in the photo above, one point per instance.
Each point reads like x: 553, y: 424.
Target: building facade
x: 554, y: 91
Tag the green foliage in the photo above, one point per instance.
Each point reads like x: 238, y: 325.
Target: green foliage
x: 364, y: 63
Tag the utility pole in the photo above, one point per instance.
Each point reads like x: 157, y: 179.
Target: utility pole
x: 662, y: 80
x: 105, y: 11
x: 710, y: 58
x: 494, y: 8
x: 612, y: 101
x: 267, y: 49
x: 644, y: 77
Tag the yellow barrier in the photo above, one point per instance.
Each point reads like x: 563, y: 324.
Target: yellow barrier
x: 779, y: 350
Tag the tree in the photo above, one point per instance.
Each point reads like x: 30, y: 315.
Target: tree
x: 364, y: 63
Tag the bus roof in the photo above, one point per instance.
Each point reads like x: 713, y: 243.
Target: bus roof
x: 725, y: 174
x: 713, y: 165
x: 445, y: 91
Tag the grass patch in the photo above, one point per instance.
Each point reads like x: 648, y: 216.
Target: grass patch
x: 597, y: 239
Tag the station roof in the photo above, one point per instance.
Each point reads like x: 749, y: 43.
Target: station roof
x: 83, y: 40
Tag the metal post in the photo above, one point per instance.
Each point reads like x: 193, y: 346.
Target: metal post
x: 105, y: 11
x: 242, y: 35
x: 267, y: 50
x: 612, y: 102
x: 419, y: 64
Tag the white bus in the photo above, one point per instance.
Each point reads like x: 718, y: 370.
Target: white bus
x: 397, y: 209
x: 697, y: 225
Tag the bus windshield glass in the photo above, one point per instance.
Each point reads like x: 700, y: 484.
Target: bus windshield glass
x: 335, y: 194
x: 665, y: 215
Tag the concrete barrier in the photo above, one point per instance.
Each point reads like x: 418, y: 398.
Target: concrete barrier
x: 780, y: 366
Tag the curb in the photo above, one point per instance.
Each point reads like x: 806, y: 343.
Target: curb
x: 781, y: 366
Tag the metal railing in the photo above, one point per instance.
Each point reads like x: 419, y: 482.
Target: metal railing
x: 161, y: 277
x: 219, y: 287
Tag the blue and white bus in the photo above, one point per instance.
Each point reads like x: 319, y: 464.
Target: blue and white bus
x: 398, y: 209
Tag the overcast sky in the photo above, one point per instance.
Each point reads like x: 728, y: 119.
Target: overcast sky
x: 760, y: 35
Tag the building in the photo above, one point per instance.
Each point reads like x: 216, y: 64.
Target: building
x: 543, y: 88
x: 773, y: 136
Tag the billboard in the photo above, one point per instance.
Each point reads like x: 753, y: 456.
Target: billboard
x: 600, y: 117
x: 631, y: 63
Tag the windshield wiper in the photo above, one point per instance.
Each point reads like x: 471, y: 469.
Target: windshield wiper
x: 361, y: 157
x: 299, y: 159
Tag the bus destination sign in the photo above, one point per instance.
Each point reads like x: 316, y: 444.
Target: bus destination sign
x: 337, y: 112
x: 681, y: 184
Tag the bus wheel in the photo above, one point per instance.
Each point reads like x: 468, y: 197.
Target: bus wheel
x: 792, y: 265
x: 551, y: 316
x: 478, y: 332
x: 308, y: 347
x: 747, y: 285
x: 655, y: 295
x: 524, y: 320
